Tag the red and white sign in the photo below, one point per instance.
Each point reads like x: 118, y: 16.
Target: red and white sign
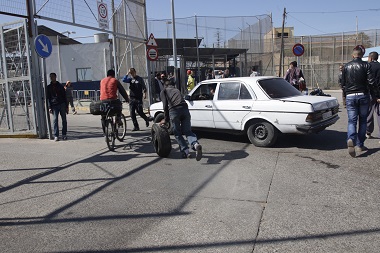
x: 152, y: 54
x: 151, y: 41
x: 103, y: 15
x: 298, y: 49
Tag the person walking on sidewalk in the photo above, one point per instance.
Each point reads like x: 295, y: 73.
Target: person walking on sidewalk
x: 57, y: 101
x: 69, y: 96
x: 358, y: 80
x: 177, y: 111
x: 137, y: 92
x: 374, y: 105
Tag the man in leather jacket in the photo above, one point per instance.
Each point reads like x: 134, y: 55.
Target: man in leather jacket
x: 358, y: 81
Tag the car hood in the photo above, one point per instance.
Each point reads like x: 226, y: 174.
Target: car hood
x: 318, y: 102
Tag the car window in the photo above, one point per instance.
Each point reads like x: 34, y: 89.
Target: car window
x: 278, y: 88
x: 204, y: 92
x: 244, y: 93
x: 228, y: 91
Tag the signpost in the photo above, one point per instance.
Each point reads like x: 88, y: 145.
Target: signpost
x: 298, y: 49
x: 151, y: 51
x: 102, y: 15
x: 43, y: 47
x: 152, y: 54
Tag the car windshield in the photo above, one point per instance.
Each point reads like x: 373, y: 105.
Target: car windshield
x: 278, y: 88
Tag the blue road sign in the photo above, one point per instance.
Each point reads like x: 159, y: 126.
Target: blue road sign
x: 43, y: 46
x: 298, y: 49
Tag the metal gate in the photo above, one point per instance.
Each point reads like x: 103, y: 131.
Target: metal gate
x: 17, y: 112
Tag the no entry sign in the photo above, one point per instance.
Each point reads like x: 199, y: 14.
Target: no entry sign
x: 298, y: 49
x: 152, y: 53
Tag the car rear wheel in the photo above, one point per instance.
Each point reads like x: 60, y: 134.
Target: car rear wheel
x: 262, y: 134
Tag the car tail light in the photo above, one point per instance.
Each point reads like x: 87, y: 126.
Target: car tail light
x: 321, y: 115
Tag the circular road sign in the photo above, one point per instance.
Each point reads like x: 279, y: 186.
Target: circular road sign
x: 298, y: 49
x: 152, y: 54
x: 43, y: 46
x: 102, y: 9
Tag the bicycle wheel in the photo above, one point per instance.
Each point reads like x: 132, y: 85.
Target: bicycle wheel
x: 121, y: 129
x: 109, y: 134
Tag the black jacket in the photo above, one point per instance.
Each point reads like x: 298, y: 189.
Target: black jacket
x: 56, y: 94
x: 357, y: 77
x: 375, y: 65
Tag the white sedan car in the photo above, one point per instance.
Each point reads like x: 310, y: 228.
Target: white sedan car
x: 261, y: 107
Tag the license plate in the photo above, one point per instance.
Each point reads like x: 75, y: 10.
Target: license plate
x: 326, y: 115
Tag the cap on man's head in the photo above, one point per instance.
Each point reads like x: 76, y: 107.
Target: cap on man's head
x: 189, y: 72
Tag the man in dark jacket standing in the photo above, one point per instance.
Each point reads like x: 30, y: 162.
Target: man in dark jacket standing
x: 137, y: 92
x: 56, y: 96
x: 358, y: 81
x: 373, y: 106
x: 176, y: 109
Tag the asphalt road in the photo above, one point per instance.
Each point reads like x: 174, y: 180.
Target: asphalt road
x: 306, y: 194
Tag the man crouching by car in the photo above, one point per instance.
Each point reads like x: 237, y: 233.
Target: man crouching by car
x: 176, y: 109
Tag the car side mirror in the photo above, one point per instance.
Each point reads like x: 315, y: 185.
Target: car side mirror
x: 188, y: 97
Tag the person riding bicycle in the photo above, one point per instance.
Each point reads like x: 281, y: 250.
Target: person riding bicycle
x: 108, y: 92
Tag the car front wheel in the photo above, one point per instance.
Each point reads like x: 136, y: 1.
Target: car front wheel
x: 262, y: 134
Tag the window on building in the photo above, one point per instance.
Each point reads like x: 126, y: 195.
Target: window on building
x: 286, y: 35
x: 84, y: 74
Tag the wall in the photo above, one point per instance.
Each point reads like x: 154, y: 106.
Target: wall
x: 96, y: 56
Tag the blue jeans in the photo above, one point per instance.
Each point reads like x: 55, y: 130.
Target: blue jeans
x: 59, y: 109
x: 357, y: 106
x: 180, y: 118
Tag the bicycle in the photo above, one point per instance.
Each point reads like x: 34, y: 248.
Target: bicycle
x: 112, y: 129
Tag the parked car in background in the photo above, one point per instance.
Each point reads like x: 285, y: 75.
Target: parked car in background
x: 260, y: 107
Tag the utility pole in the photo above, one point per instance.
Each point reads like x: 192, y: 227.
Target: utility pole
x: 282, y: 43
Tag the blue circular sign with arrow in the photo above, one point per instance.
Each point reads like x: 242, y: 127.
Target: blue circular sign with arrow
x: 298, y: 49
x: 43, y: 46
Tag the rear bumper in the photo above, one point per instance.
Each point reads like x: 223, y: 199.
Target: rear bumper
x: 317, y: 127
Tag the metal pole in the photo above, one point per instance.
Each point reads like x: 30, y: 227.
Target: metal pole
x: 196, y: 35
x: 38, y: 92
x: 174, y: 45
x: 271, y: 22
x: 282, y: 43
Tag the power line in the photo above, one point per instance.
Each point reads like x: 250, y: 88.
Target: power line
x: 305, y: 23
x: 328, y: 12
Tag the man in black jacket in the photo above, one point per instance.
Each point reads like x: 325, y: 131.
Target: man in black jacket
x: 358, y: 81
x: 175, y: 108
x: 137, y: 92
x: 56, y: 96
x: 373, y: 106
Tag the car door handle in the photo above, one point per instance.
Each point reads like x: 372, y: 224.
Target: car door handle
x: 208, y: 106
x: 246, y: 107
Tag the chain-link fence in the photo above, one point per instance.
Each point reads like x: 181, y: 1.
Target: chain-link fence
x: 256, y: 34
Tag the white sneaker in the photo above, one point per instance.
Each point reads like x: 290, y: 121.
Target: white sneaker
x: 368, y: 136
x: 56, y: 139
x: 198, y: 151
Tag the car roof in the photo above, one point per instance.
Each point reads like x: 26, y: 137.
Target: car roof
x: 240, y: 79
